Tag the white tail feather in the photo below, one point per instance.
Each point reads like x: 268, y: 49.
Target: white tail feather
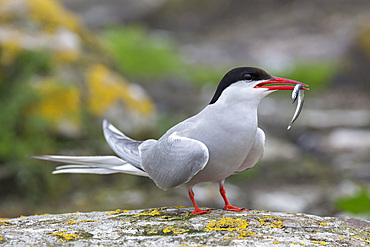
x: 92, y: 164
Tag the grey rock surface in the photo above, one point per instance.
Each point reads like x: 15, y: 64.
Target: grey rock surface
x: 177, y: 227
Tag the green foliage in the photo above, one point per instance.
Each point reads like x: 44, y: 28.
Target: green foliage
x: 141, y: 55
x: 23, y: 134
x: 317, y: 75
x: 357, y: 204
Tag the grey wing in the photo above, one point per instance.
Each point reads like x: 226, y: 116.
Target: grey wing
x: 173, y: 159
x: 256, y: 152
x: 122, y: 145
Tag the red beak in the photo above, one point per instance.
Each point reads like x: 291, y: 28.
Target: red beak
x: 280, y: 84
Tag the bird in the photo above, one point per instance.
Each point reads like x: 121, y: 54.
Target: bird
x: 221, y: 140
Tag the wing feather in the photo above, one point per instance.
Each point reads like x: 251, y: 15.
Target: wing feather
x: 122, y: 145
x: 173, y: 159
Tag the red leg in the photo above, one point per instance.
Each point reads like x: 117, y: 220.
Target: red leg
x: 197, y: 209
x: 228, y: 206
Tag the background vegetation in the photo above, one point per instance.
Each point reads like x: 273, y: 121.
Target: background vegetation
x: 59, y: 79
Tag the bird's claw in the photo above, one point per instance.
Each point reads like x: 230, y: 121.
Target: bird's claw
x: 235, y: 209
x: 198, y: 211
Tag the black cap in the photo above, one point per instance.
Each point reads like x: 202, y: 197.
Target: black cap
x: 239, y: 74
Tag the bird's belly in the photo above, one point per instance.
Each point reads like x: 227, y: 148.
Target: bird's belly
x: 224, y: 158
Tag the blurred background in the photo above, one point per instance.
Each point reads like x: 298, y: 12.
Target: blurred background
x: 146, y: 65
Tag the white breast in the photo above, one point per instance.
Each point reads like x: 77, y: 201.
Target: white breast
x: 228, y: 131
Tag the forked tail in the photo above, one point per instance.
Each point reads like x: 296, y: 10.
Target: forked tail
x: 92, y: 164
x: 122, y: 145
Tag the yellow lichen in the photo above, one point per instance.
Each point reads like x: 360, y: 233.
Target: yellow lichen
x: 367, y: 241
x: 319, y: 242
x: 243, y: 234
x: 71, y: 221
x: 323, y: 224
x: 167, y: 217
x: 276, y: 242
x: 262, y: 221
x: 111, y: 89
x: 4, y: 223
x: 276, y: 224
x: 152, y: 212
x: 174, y: 230
x: 226, y: 224
x: 88, y: 221
x: 118, y: 211
x: 63, y: 236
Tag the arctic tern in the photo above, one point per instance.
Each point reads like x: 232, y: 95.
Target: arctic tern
x: 221, y: 140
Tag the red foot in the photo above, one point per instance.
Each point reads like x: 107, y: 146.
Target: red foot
x: 236, y: 209
x: 198, y: 211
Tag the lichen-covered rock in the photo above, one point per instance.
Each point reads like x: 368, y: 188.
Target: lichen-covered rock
x: 47, y: 49
x: 177, y: 227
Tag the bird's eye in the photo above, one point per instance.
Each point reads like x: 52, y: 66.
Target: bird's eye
x: 247, y: 77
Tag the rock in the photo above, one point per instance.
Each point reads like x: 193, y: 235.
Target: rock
x: 177, y: 227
